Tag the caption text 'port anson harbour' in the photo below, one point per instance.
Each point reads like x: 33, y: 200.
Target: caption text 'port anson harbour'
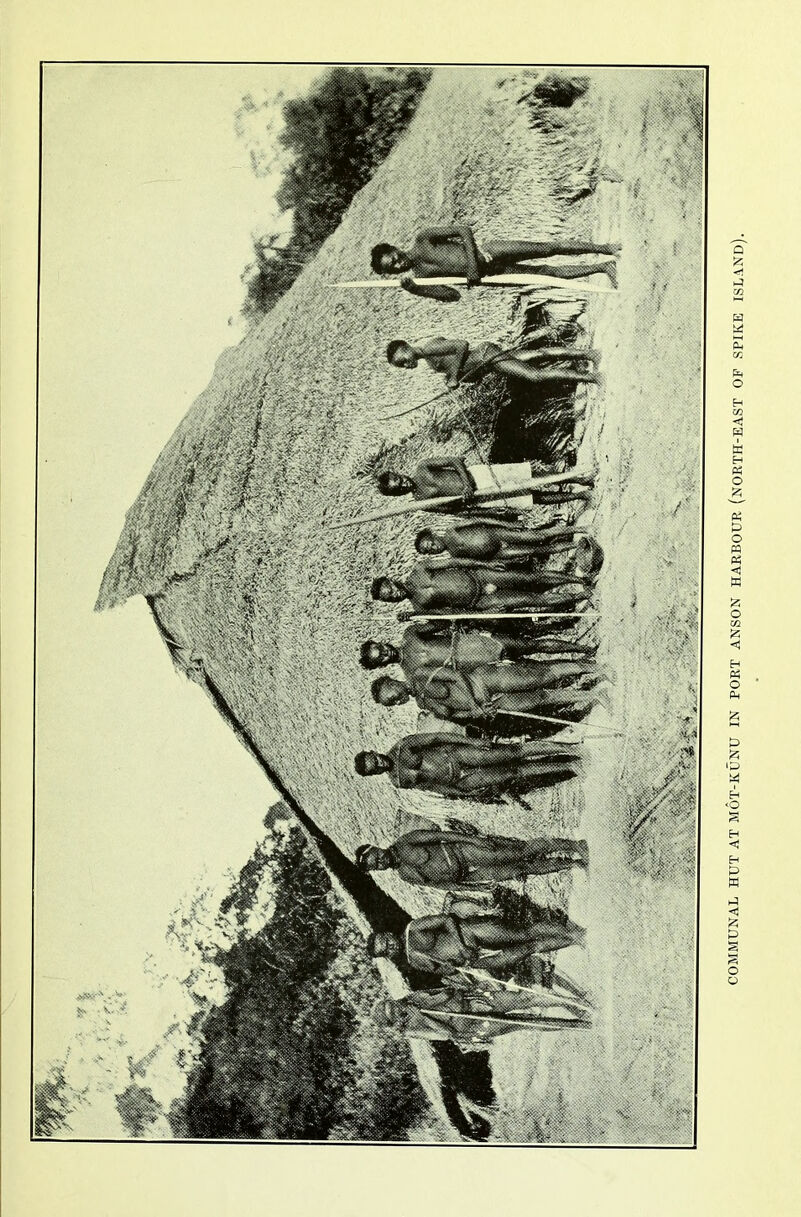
x: 737, y: 500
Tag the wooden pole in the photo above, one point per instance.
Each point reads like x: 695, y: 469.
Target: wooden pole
x: 406, y: 615
x: 450, y: 500
x: 564, y: 722
x: 523, y: 280
x: 533, y: 1022
x: 569, y: 987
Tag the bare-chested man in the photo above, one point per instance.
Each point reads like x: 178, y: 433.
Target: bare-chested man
x: 462, y: 364
x: 479, y: 1011
x: 525, y: 687
x: 461, y: 585
x: 450, y: 249
x: 463, y: 857
x: 462, y: 769
x: 474, y: 1015
x: 466, y: 937
x: 485, y: 540
x: 452, y: 476
x: 431, y: 643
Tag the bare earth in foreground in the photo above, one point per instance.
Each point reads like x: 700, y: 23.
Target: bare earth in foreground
x: 633, y: 1082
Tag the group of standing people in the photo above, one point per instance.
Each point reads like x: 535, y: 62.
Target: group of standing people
x: 497, y: 654
x: 493, y: 647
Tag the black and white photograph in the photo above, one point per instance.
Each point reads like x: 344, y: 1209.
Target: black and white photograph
x: 369, y: 538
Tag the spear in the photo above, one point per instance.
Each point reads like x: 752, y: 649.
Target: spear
x: 537, y: 1022
x: 605, y: 732
x: 465, y: 379
x: 572, y: 990
x: 407, y: 615
x: 452, y: 500
x: 529, y: 281
x: 487, y: 978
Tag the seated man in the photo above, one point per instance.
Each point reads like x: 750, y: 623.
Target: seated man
x: 468, y: 937
x: 460, y: 364
x: 526, y: 687
x: 445, y: 250
x: 471, y: 769
x: 452, y: 476
x: 464, y: 857
x: 460, y: 585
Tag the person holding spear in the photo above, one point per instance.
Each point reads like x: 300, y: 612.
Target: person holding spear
x: 463, y: 651
x: 484, y: 487
x: 451, y: 476
x: 426, y: 644
x: 479, y: 1012
x: 445, y: 250
x: 462, y: 365
x: 459, y: 768
x: 528, y: 687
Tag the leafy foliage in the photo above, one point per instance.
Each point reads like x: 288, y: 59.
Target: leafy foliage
x: 94, y: 1065
x: 293, y: 1053
x: 273, y: 1035
x: 53, y: 1102
x: 337, y: 136
x: 137, y: 1108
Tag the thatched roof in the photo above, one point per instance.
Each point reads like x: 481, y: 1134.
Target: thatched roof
x: 229, y: 536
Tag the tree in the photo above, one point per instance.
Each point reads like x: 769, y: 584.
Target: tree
x: 54, y: 1101
x: 292, y: 1052
x: 138, y: 1109
x: 332, y: 141
x: 95, y: 1062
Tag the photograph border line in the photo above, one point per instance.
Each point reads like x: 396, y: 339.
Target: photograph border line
x: 705, y: 67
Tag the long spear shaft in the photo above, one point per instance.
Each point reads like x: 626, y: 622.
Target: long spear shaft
x: 450, y: 500
x: 506, y: 280
x: 563, y: 722
x: 515, y: 986
x: 464, y: 380
x: 407, y: 616
x: 537, y: 1022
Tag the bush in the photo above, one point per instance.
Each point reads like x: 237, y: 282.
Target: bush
x: 293, y: 1051
x: 337, y: 135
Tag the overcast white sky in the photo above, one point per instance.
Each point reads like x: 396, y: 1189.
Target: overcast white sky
x: 148, y: 205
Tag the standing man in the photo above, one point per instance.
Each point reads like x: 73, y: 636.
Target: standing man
x: 527, y: 687
x: 461, y: 364
x: 477, y: 1016
x: 450, y: 249
x: 486, y: 540
x: 464, y: 857
x: 465, y: 937
x: 460, y: 586
x: 463, y: 769
x: 427, y: 644
x: 452, y: 476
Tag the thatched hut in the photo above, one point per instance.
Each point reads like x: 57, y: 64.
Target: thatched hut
x: 229, y: 537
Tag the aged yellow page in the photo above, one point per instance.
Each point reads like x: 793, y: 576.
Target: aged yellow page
x: 397, y: 609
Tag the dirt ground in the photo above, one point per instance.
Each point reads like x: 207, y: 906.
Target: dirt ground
x: 632, y: 1080
x: 231, y: 536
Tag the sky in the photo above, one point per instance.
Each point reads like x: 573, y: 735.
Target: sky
x: 149, y: 201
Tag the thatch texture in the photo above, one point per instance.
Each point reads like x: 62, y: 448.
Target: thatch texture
x: 229, y: 533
